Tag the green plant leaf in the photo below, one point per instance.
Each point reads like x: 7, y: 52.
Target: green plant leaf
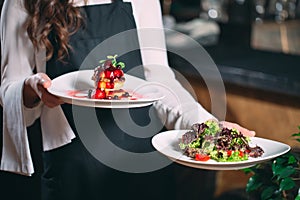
x: 114, y: 62
x: 297, y: 135
x: 273, y: 177
x: 110, y: 57
x: 122, y: 65
x: 247, y: 170
x: 287, y: 184
x: 268, y: 192
x: 283, y: 172
x: 292, y: 159
x: 253, y: 183
x: 280, y: 160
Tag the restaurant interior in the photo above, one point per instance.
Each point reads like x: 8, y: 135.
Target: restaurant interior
x: 255, y: 45
x: 256, y: 48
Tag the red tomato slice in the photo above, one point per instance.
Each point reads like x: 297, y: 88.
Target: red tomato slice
x: 201, y: 157
x: 229, y: 152
x: 241, y: 154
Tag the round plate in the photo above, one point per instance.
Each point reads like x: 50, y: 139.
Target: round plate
x: 167, y: 143
x: 73, y: 88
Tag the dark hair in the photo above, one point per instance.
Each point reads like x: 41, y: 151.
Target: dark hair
x: 59, y: 17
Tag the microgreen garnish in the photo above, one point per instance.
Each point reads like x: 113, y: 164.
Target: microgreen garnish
x: 114, y: 61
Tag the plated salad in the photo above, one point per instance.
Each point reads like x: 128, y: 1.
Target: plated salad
x: 209, y: 140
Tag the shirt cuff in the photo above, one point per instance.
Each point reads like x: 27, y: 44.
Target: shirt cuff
x: 31, y: 114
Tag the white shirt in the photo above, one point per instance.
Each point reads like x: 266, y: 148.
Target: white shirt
x: 19, y: 58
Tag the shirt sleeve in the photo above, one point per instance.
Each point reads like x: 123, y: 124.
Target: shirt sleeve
x: 178, y: 109
x: 17, y: 58
x: 17, y: 62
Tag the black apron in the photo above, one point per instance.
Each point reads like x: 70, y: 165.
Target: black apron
x: 71, y: 172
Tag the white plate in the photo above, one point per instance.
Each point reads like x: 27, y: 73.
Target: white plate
x: 80, y: 82
x: 167, y: 144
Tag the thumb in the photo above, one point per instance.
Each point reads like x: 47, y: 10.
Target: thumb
x: 243, y: 130
x: 38, y: 82
x: 44, y: 80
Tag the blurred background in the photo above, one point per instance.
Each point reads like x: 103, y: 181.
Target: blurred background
x: 256, y: 47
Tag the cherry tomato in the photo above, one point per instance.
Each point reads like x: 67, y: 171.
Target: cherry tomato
x: 109, y: 85
x: 229, y: 152
x: 109, y: 74
x: 100, y: 94
x: 118, y: 73
x: 241, y: 154
x: 201, y: 157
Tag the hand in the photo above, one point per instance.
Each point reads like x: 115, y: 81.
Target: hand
x: 243, y: 130
x: 35, y: 89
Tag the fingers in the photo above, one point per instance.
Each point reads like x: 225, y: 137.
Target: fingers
x: 39, y: 79
x: 243, y: 130
x: 39, y: 83
x: 246, y: 132
x: 49, y: 99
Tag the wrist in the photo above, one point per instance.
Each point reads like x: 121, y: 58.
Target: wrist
x: 30, y: 98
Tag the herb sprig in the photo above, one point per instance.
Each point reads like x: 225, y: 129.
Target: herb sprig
x: 114, y: 61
